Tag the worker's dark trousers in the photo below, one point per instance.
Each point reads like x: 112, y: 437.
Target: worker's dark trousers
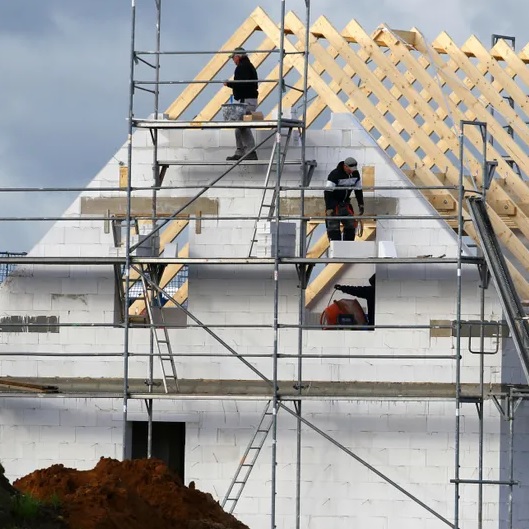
x: 333, y: 225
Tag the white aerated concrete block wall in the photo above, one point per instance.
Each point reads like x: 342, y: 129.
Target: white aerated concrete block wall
x: 267, y: 239
x: 37, y: 433
x: 409, y: 442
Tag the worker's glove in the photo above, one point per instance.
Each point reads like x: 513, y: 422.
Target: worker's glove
x: 329, y: 212
x: 361, y: 210
x: 338, y: 287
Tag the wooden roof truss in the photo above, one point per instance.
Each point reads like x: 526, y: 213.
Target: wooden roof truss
x: 410, y: 95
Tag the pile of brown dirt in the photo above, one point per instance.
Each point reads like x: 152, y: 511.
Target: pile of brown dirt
x: 133, y: 494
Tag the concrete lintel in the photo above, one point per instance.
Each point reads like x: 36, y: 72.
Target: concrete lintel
x: 142, y: 206
x: 315, y: 206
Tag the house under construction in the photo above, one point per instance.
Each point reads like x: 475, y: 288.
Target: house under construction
x: 174, y: 310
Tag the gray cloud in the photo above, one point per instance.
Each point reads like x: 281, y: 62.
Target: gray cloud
x: 65, y: 75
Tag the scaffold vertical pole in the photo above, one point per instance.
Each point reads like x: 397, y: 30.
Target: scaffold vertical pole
x: 458, y: 331
x: 303, y: 277
x: 275, y: 406
x: 156, y: 184
x: 483, y: 285
x: 127, y: 237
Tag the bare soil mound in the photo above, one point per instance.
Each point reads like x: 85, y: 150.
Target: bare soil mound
x: 133, y: 494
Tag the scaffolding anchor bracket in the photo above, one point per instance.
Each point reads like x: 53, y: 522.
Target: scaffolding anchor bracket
x: 304, y: 271
x: 484, y: 275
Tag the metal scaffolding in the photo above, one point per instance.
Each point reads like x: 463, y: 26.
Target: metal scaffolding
x: 282, y: 398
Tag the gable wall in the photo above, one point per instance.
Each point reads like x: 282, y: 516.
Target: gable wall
x: 411, y: 442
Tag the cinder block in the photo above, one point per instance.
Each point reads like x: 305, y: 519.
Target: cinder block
x: 172, y: 138
x: 343, y: 121
x: 41, y: 417
x: 352, y: 249
x: 93, y: 434
x: 52, y: 434
x: 201, y: 139
x: 70, y: 418
x: 106, y: 450
x: 387, y: 249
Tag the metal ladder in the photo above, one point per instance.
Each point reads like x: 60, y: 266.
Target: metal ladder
x: 268, y: 201
x: 161, y: 340
x: 248, y: 459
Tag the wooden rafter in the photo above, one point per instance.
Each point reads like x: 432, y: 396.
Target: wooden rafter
x: 223, y: 95
x: 498, y: 197
x: 212, y: 68
x: 502, y: 51
x: 480, y: 110
x: 449, y: 142
x: 169, y: 273
x: 411, y: 97
x: 169, y: 234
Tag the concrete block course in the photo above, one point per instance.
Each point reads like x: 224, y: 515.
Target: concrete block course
x: 411, y: 442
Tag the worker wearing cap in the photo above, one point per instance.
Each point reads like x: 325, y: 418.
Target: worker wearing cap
x: 244, y: 92
x: 340, y: 182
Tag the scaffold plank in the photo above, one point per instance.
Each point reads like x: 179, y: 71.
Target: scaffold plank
x: 257, y: 389
x: 184, y: 125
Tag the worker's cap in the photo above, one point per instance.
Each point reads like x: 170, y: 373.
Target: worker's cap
x: 351, y: 162
x: 238, y: 51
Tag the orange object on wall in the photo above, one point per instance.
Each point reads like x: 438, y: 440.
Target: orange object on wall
x: 345, y: 312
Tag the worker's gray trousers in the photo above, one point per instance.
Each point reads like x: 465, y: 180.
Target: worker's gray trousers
x: 244, y: 139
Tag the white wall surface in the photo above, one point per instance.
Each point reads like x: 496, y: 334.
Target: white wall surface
x: 411, y: 442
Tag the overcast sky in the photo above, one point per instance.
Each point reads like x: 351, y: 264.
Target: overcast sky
x: 65, y: 70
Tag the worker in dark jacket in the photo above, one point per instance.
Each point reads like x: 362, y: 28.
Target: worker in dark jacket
x: 367, y: 293
x: 338, y: 199
x: 244, y: 92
